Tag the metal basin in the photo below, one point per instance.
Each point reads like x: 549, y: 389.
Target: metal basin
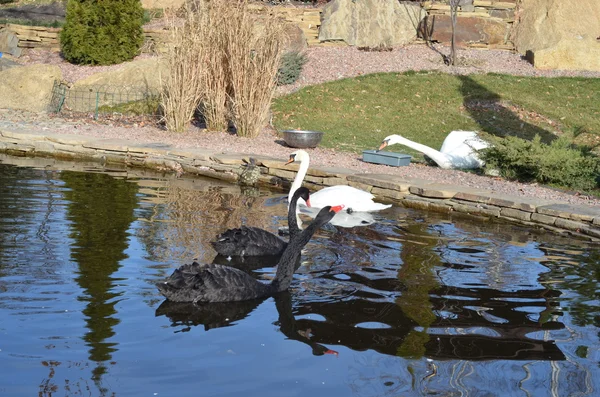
x: 302, y: 138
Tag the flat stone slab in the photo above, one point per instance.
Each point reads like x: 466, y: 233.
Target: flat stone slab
x: 474, y: 195
x: 32, y: 136
x: 261, y: 159
x: 516, y: 214
x: 384, y: 181
x: 152, y: 147
x: 229, y: 158
x: 521, y: 203
x: 571, y: 211
x: 115, y: 145
x: 294, y: 167
x: 335, y: 171
x: 191, y: 153
x: 434, y: 190
x: 68, y: 139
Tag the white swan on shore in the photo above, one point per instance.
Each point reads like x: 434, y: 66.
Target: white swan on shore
x: 353, y: 199
x: 459, y: 149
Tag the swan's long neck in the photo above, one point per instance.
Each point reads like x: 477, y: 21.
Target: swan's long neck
x: 304, y: 163
x: 293, y: 219
x: 440, y: 158
x: 286, y: 264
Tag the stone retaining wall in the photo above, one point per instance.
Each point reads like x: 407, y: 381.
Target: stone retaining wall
x: 481, y: 24
x: 577, y: 220
x: 484, y: 24
x: 49, y: 38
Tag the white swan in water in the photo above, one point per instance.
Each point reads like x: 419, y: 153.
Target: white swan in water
x: 354, y: 200
x: 459, y: 149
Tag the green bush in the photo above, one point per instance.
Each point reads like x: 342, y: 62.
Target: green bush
x: 290, y: 67
x: 6, y: 1
x: 102, y: 32
x: 559, y: 163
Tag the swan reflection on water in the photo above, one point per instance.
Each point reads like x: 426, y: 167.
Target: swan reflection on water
x: 344, y: 323
x: 224, y: 314
x: 343, y: 218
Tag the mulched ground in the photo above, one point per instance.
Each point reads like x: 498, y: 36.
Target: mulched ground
x: 47, y: 13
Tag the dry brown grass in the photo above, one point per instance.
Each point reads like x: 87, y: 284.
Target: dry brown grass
x: 213, y: 50
x: 254, y: 49
x: 182, y: 86
x: 223, y: 62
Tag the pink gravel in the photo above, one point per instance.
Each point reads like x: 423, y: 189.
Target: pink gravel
x: 326, y: 64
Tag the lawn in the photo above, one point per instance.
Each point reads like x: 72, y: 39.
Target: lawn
x: 357, y: 113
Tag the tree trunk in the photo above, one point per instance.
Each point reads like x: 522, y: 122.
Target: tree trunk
x: 453, y: 12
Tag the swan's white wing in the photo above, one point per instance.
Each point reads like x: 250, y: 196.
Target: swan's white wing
x: 456, y: 141
x: 352, y: 198
x: 332, y: 194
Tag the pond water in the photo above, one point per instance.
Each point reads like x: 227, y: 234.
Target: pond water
x: 415, y: 304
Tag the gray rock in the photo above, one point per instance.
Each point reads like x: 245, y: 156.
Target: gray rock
x: 28, y: 87
x: 559, y: 34
x: 6, y: 64
x: 370, y: 23
x: 9, y: 43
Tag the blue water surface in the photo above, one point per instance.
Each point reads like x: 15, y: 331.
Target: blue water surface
x: 416, y: 304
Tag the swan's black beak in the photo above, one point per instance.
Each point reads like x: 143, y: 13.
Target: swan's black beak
x: 291, y: 160
x: 383, y: 144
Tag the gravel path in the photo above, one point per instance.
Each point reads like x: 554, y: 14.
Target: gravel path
x: 325, y: 64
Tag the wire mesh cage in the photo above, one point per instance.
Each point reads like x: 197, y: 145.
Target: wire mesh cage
x: 105, y: 100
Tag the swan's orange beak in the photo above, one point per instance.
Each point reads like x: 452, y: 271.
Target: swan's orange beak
x: 291, y: 160
x: 383, y: 144
x: 329, y: 351
x: 308, y: 203
x: 337, y: 208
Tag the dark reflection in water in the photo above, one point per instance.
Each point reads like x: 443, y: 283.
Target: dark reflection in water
x: 415, y: 304
x: 101, y: 211
x: 223, y: 314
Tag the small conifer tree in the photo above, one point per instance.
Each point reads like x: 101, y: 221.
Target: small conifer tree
x: 102, y: 32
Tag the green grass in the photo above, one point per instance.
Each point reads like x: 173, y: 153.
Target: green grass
x: 356, y: 114
x: 141, y: 107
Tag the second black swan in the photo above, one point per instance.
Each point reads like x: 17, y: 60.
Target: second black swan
x: 253, y: 241
x: 216, y: 283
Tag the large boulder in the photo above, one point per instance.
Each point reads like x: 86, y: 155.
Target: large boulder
x: 370, y: 23
x: 129, y: 83
x: 559, y: 34
x: 295, y: 38
x: 28, y: 87
x: 569, y: 55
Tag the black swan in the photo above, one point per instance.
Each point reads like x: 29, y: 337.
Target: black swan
x: 216, y: 283
x: 253, y: 241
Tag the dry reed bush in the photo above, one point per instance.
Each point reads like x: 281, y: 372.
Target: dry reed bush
x: 254, y: 52
x: 182, y: 87
x: 224, y: 63
x: 213, y: 51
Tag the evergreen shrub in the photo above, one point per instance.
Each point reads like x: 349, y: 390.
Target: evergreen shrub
x: 559, y: 163
x: 102, y: 32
